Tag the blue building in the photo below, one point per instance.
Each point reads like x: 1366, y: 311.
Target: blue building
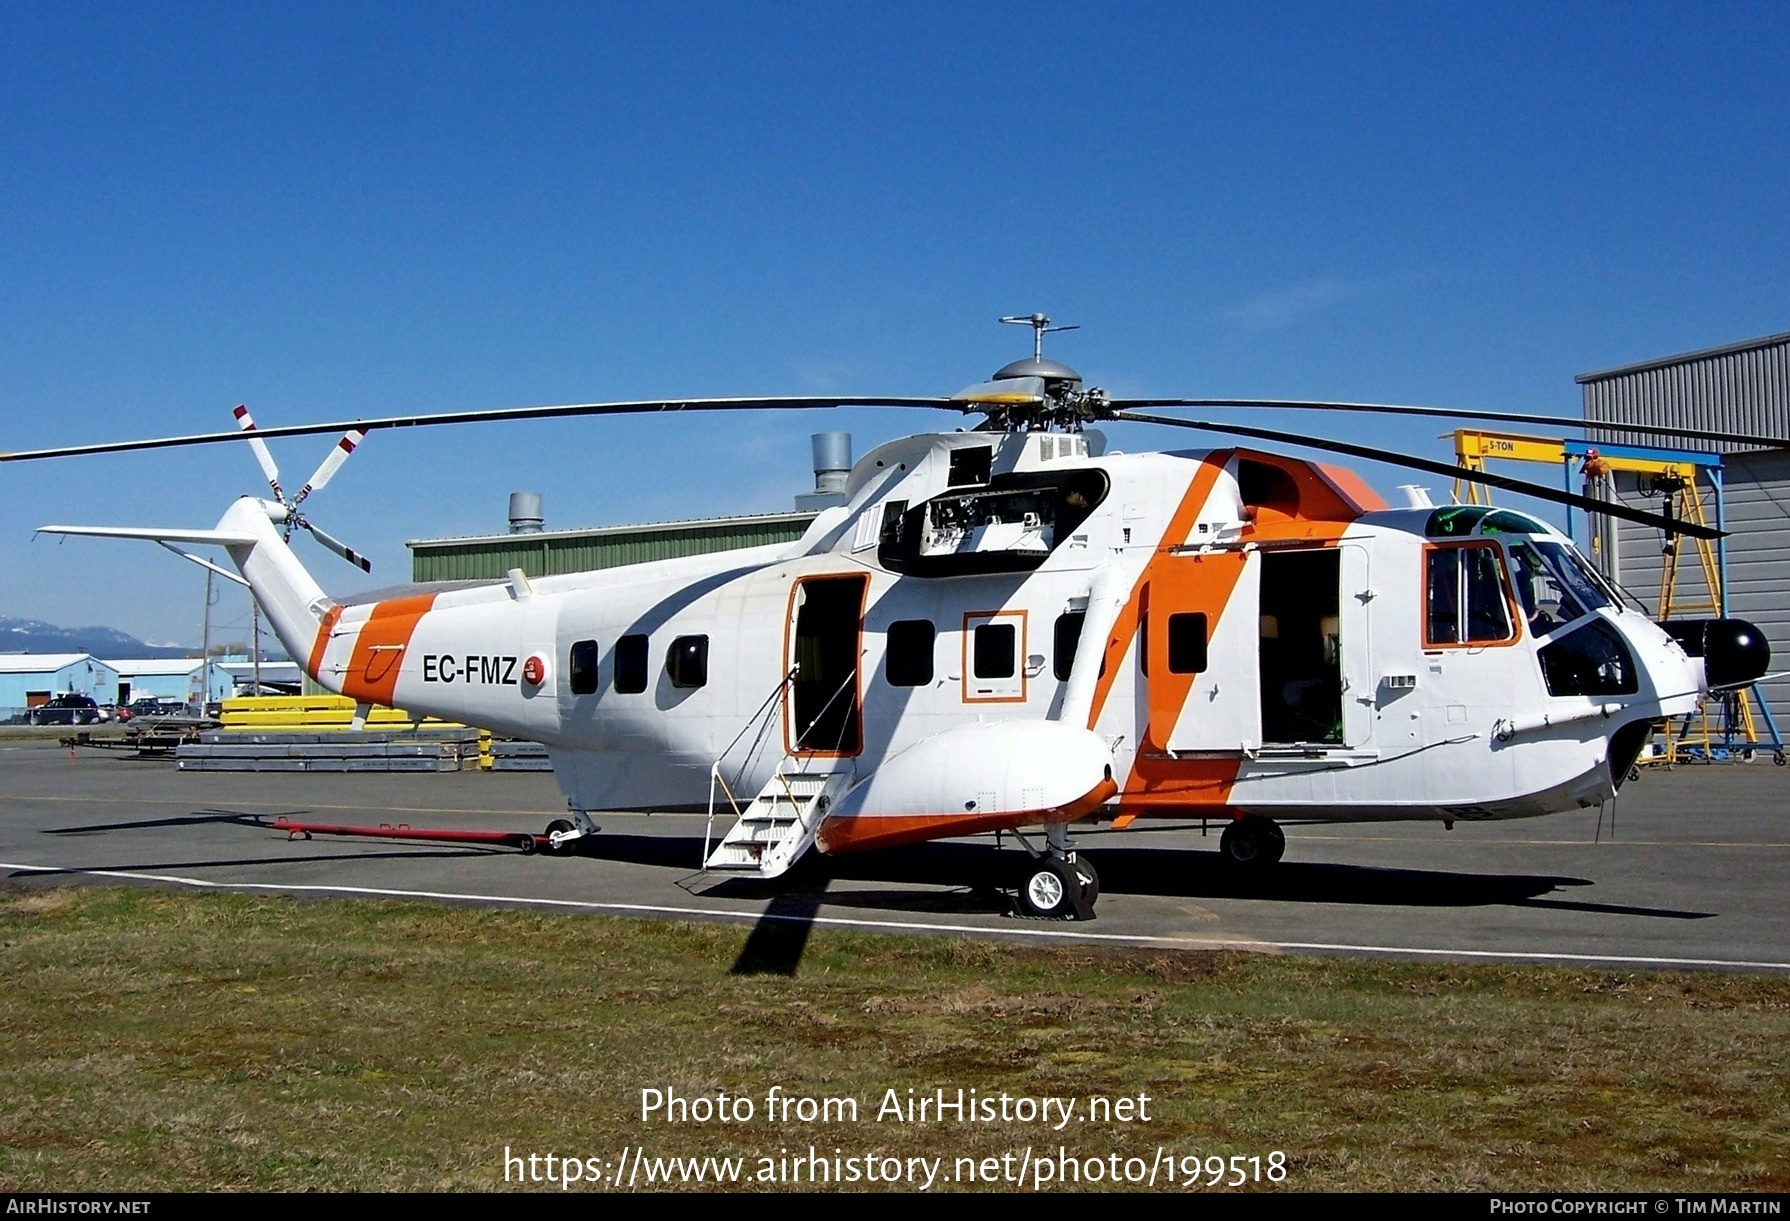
x: 28, y: 680
x: 171, y: 678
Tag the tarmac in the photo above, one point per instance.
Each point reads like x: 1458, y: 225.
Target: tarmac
x: 1685, y: 871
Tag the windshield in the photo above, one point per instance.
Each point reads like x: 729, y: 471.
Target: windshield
x: 1554, y: 585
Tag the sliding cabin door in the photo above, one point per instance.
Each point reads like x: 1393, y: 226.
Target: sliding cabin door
x: 1199, y: 653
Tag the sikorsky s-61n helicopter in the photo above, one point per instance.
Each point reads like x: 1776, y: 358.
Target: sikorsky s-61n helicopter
x: 1008, y: 629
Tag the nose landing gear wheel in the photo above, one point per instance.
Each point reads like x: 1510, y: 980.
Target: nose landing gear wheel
x: 1252, y: 844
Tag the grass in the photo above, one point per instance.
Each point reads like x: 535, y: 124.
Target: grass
x: 152, y: 1040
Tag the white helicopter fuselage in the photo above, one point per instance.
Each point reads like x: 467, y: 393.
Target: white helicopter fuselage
x: 1000, y: 630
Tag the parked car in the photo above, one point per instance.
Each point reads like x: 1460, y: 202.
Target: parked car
x: 150, y: 706
x: 68, y: 709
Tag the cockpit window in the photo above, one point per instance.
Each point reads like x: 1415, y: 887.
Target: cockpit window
x: 1591, y: 660
x: 1460, y: 521
x: 1454, y: 521
x: 1554, y: 585
x: 1504, y: 521
x: 1464, y: 597
x: 1578, y: 576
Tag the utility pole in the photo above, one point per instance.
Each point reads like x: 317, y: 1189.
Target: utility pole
x: 205, y: 647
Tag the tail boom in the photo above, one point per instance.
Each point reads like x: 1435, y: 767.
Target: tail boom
x: 295, y: 605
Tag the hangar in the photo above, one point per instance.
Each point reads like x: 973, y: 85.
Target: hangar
x: 1737, y: 388
x: 30, y: 680
x: 538, y: 552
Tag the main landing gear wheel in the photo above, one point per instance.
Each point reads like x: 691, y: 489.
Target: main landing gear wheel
x: 1252, y: 843
x: 1051, y: 889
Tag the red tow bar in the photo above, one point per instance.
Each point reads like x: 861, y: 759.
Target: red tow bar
x: 523, y: 841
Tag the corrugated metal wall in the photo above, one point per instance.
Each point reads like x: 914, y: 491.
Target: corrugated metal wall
x: 572, y: 551
x: 1757, y: 507
x: 1742, y: 388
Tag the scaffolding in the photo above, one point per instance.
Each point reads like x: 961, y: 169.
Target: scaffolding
x: 1723, y: 726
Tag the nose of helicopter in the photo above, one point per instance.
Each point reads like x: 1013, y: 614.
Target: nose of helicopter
x: 1734, y: 652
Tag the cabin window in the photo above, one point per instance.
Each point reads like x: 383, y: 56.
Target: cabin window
x: 1187, y: 644
x: 907, y: 661
x: 994, y: 650
x: 890, y: 534
x: 1068, y: 636
x: 1464, y: 597
x: 582, y: 670
x: 687, y: 661
x: 630, y: 665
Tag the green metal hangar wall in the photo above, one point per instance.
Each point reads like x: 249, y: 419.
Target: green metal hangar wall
x: 540, y: 552
x: 1739, y: 388
x: 546, y: 553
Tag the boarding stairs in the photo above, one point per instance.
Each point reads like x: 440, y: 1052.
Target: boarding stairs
x: 773, y: 831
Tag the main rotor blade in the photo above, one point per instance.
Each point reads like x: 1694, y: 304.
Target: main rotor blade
x: 1461, y: 413
x: 1539, y: 491
x: 246, y: 422
x: 809, y: 403
x: 338, y: 546
x: 326, y: 470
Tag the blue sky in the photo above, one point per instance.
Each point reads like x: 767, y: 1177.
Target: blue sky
x: 330, y: 211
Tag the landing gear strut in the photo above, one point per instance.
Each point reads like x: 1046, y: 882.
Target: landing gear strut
x: 1252, y: 843
x: 1057, y: 884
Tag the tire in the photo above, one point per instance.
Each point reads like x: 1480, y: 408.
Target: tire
x: 1277, y: 841
x: 1252, y: 844
x: 1049, y: 890
x: 560, y: 825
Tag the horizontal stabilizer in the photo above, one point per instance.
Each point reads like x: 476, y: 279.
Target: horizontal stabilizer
x: 221, y: 538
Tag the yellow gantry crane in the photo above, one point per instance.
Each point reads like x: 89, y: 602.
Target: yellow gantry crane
x: 1724, y: 725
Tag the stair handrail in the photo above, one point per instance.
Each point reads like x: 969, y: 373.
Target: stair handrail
x: 715, y: 776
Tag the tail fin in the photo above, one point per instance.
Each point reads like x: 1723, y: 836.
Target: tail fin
x: 289, y: 596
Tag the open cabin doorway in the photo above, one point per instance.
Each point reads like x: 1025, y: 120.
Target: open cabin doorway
x: 1301, y: 643
x: 826, y: 644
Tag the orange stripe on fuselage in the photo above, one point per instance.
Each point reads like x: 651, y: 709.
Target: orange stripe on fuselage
x: 372, y: 676
x: 1329, y: 500
x: 894, y: 830
x: 1353, y: 488
x: 1180, y: 525
x: 318, y: 646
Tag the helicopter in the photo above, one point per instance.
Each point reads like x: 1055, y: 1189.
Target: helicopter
x: 1010, y: 630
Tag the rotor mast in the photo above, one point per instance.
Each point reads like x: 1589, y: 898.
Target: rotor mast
x: 1040, y: 324
x: 1036, y: 394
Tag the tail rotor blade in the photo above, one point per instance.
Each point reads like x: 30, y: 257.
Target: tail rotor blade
x: 333, y: 463
x: 340, y: 548
x: 246, y: 422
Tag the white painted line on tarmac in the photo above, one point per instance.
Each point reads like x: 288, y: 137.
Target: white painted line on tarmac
x: 532, y: 817
x: 1167, y: 941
